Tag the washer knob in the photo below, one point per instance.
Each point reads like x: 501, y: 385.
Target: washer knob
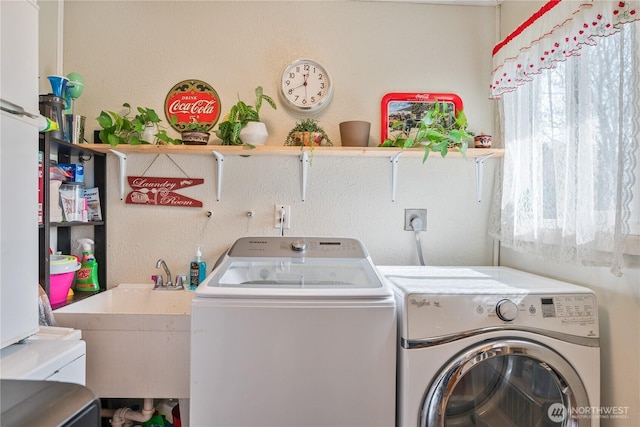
x: 299, y: 245
x: 507, y: 310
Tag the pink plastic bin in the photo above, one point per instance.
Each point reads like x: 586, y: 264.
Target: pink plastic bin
x: 63, y: 269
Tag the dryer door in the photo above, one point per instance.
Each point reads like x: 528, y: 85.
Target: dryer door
x: 506, y: 382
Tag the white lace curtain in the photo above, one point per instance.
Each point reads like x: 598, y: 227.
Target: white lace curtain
x: 569, y: 91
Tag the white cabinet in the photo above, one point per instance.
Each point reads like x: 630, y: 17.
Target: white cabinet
x: 18, y: 171
x: 19, y: 54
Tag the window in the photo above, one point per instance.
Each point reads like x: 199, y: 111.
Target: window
x: 570, y: 110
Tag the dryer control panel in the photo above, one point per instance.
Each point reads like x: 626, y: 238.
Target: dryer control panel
x: 440, y: 315
x: 443, y: 301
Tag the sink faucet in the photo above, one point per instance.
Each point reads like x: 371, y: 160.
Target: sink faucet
x: 159, y: 281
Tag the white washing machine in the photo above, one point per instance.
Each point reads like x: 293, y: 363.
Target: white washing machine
x: 493, y: 346
x: 293, y: 332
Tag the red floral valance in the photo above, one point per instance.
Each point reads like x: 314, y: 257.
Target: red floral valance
x: 555, y: 32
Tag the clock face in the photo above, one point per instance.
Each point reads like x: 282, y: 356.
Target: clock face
x: 305, y: 86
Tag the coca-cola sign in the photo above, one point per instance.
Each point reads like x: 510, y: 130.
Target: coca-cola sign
x: 192, y: 101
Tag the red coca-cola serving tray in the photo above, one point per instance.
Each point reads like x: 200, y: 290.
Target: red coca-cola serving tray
x: 410, y: 107
x: 192, y: 101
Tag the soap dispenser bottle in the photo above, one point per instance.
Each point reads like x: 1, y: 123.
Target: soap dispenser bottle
x: 197, y: 270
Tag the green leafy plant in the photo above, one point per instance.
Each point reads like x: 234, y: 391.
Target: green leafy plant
x: 164, y: 137
x: 124, y: 129
x: 239, y: 115
x: 439, y: 130
x: 296, y: 135
x: 197, y: 127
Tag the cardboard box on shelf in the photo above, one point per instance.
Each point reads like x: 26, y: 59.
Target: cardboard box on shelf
x: 75, y: 169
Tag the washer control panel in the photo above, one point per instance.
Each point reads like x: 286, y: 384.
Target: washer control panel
x: 298, y: 247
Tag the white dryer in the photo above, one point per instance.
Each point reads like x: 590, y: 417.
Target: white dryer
x: 293, y: 332
x: 493, y: 346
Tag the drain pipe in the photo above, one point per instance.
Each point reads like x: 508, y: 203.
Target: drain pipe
x: 123, y: 416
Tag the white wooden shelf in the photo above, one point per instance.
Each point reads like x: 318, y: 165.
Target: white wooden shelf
x: 220, y: 151
x: 274, y: 150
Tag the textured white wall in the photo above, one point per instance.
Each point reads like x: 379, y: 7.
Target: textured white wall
x: 136, y: 51
x: 47, y: 43
x: 348, y: 196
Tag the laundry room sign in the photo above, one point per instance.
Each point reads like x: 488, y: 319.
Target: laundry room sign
x: 150, y: 190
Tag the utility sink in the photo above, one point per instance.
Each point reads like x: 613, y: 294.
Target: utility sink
x: 137, y: 340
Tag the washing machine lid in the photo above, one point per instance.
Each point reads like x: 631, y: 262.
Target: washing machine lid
x: 295, y: 267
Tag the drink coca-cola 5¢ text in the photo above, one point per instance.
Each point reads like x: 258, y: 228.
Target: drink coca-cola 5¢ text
x: 192, y: 101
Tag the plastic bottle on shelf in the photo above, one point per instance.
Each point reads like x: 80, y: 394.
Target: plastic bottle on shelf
x: 87, y: 276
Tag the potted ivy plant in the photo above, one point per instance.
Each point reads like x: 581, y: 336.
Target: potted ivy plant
x: 124, y: 129
x: 195, y: 133
x: 308, y: 132
x: 242, y: 126
x: 439, y: 130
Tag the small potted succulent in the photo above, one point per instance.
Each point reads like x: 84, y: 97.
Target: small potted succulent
x: 122, y: 129
x: 439, y: 130
x: 308, y: 132
x: 242, y: 126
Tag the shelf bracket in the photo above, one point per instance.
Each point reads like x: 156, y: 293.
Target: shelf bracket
x: 122, y: 163
x: 304, y: 171
x: 393, y: 160
x: 479, y: 175
x: 219, y: 170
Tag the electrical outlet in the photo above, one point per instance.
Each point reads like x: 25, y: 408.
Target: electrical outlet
x: 410, y: 214
x: 277, y: 216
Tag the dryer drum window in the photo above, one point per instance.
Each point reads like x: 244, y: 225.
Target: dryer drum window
x: 505, y: 383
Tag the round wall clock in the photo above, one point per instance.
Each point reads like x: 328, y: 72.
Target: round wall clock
x: 305, y: 87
